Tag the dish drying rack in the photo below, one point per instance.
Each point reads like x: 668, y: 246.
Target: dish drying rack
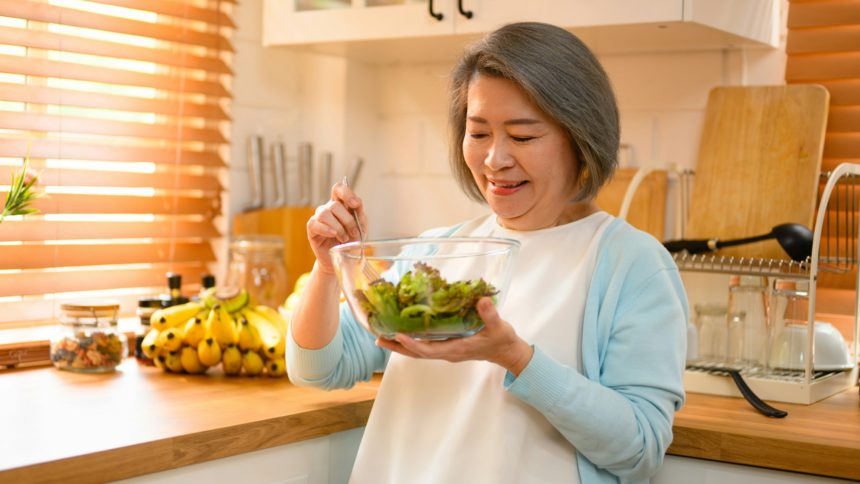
x: 836, y: 214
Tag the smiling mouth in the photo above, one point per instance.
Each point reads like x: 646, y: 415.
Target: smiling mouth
x: 508, y: 185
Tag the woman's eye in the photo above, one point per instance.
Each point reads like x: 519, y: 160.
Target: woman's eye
x: 477, y: 135
x: 522, y: 139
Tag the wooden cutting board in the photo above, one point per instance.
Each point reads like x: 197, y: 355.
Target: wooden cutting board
x: 759, y: 162
x: 648, y: 208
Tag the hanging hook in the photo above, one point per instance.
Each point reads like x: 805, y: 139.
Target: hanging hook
x: 437, y: 16
x: 465, y: 13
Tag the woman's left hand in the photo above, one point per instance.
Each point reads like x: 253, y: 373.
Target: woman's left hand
x: 497, y: 343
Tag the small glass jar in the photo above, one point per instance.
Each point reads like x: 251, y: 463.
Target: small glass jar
x: 89, y: 340
x: 257, y: 264
x: 145, y: 307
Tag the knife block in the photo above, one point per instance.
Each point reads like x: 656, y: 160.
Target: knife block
x: 286, y: 222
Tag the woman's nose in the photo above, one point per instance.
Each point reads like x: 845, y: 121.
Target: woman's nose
x: 498, y: 157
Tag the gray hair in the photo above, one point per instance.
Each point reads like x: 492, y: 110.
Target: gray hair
x: 564, y: 79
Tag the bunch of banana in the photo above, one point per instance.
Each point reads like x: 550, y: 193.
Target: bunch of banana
x: 223, y: 327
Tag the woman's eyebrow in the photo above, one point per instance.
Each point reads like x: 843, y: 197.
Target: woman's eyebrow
x: 478, y: 119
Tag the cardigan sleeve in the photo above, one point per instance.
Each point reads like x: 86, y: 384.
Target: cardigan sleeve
x: 620, y: 418
x: 350, y: 357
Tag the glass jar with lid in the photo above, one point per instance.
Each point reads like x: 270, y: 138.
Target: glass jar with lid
x: 257, y: 264
x: 89, y: 340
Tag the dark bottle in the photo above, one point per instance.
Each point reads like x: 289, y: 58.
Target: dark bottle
x: 174, y: 285
x: 207, y: 281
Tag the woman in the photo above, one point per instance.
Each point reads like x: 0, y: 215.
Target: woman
x: 579, y: 378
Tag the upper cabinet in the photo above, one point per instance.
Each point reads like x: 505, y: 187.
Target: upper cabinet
x: 428, y: 30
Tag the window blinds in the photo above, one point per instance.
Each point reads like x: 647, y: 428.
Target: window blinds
x: 823, y: 47
x: 121, y: 105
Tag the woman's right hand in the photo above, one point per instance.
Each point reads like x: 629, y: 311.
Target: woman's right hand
x: 333, y: 224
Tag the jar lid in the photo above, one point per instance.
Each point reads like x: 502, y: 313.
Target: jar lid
x: 258, y: 243
x: 90, y: 307
x: 152, y: 302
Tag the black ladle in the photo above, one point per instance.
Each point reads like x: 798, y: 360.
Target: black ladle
x: 795, y: 239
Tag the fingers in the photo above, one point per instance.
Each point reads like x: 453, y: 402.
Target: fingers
x: 393, y: 345
x: 341, y: 192
x: 335, y: 219
x: 488, y: 312
x: 452, y: 350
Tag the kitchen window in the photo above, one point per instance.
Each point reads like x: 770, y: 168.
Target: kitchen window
x: 122, y: 107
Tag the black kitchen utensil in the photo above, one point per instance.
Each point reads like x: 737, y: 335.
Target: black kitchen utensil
x: 750, y: 396
x: 795, y: 239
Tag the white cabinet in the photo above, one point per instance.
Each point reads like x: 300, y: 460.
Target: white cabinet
x: 382, y: 31
x: 324, y: 460
x: 684, y: 470
x: 294, y: 22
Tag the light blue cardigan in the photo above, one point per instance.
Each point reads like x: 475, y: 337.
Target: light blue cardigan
x: 618, y: 412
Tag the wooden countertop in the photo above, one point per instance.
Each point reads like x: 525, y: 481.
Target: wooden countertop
x: 60, y: 426
x: 823, y: 438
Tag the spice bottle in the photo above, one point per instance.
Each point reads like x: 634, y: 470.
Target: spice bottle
x: 174, y: 286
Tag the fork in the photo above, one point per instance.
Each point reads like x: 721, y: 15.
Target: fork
x: 366, y: 268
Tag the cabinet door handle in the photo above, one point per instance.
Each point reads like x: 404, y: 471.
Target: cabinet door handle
x: 437, y: 16
x: 465, y: 13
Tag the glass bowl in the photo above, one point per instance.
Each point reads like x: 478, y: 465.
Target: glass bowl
x: 425, y: 287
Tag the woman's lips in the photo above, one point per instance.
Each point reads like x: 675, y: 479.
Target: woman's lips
x: 505, y: 188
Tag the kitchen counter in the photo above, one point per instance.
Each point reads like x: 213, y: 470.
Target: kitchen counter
x: 61, y: 426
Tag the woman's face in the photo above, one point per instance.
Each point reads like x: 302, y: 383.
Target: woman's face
x: 522, y: 160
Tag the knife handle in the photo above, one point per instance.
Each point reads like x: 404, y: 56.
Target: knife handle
x: 279, y: 160
x: 306, y: 155
x: 255, y: 171
x: 699, y: 246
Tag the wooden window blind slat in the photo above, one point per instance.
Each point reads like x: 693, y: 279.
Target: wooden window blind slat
x: 844, y: 119
x: 67, y: 43
x: 823, y: 13
x: 34, y: 230
x: 830, y: 39
x: 841, y: 145
x: 72, y: 124
x: 812, y: 68
x: 35, y: 283
x: 69, y: 97
x: 842, y: 92
x: 830, y: 164
x: 99, y: 152
x: 90, y: 178
x: 41, y: 12
x: 62, y: 203
x: 68, y: 70
x: 58, y: 255
x: 176, y: 9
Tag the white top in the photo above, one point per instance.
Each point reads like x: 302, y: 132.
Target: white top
x: 464, y: 408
